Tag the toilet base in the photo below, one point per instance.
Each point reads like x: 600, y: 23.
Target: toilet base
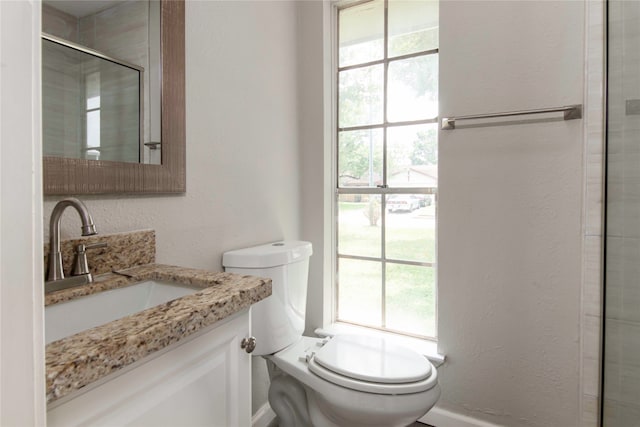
x: 288, y: 399
x: 298, y: 405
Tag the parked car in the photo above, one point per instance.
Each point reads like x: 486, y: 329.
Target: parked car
x: 403, y: 202
x: 424, y: 199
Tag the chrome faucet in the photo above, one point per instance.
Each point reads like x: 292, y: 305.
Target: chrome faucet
x: 55, y: 275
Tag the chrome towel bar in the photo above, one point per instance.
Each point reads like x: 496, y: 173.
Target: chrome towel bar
x: 570, y: 112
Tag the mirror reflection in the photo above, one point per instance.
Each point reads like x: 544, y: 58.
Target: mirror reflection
x: 101, y: 80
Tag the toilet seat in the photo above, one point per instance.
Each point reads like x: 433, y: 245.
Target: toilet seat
x: 371, y: 364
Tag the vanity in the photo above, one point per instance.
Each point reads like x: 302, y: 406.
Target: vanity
x: 184, y: 361
x: 137, y: 343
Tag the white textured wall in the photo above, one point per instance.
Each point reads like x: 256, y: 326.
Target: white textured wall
x: 315, y: 76
x: 509, y: 242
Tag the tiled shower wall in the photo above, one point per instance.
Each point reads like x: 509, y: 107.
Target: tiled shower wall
x: 622, y: 310
x: 59, y: 24
x: 61, y: 100
x: 122, y: 32
x: 592, y: 268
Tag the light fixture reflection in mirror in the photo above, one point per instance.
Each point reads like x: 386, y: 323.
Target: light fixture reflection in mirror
x: 101, y: 80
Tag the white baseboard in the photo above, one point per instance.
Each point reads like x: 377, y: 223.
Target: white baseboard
x: 263, y: 416
x: 442, y: 418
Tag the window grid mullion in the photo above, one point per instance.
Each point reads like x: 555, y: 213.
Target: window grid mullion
x: 389, y: 260
x: 389, y: 124
x: 388, y: 190
x: 385, y: 59
x: 383, y: 201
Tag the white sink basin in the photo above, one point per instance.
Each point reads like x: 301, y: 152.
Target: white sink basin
x: 68, y: 318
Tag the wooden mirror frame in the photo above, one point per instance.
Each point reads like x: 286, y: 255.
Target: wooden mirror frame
x: 64, y: 176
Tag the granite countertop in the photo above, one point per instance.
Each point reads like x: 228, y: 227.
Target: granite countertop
x: 78, y: 360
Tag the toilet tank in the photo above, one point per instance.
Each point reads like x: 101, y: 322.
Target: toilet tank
x: 276, y: 321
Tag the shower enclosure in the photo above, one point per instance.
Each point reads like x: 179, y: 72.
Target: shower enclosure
x: 91, y: 104
x: 621, y: 340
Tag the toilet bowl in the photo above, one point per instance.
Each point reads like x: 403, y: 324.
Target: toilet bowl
x: 343, y: 381
x: 386, y: 398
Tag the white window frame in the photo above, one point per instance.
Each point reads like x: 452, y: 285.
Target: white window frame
x: 341, y: 325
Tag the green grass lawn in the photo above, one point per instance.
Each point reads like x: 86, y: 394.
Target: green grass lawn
x: 410, y: 290
x: 405, y: 241
x: 351, y: 206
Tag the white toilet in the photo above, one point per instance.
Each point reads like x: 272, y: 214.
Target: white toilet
x: 346, y: 380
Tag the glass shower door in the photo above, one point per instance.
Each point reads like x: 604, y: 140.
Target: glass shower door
x: 621, y: 370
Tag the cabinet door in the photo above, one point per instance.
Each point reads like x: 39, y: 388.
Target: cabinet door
x: 203, y: 381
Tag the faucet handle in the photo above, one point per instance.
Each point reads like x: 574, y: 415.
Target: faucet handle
x: 95, y: 245
x: 80, y: 265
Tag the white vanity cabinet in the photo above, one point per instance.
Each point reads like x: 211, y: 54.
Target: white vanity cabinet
x: 202, y: 380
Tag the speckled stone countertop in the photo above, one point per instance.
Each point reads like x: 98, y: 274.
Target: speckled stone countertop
x: 78, y: 360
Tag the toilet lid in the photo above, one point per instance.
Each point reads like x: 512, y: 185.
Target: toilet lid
x: 372, y: 359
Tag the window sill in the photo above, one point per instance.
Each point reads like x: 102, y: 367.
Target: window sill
x: 428, y: 348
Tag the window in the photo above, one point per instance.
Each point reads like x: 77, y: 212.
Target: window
x: 387, y: 80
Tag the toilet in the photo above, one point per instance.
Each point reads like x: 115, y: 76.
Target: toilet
x: 345, y: 380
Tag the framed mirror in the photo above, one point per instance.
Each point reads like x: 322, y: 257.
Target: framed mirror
x: 63, y: 175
